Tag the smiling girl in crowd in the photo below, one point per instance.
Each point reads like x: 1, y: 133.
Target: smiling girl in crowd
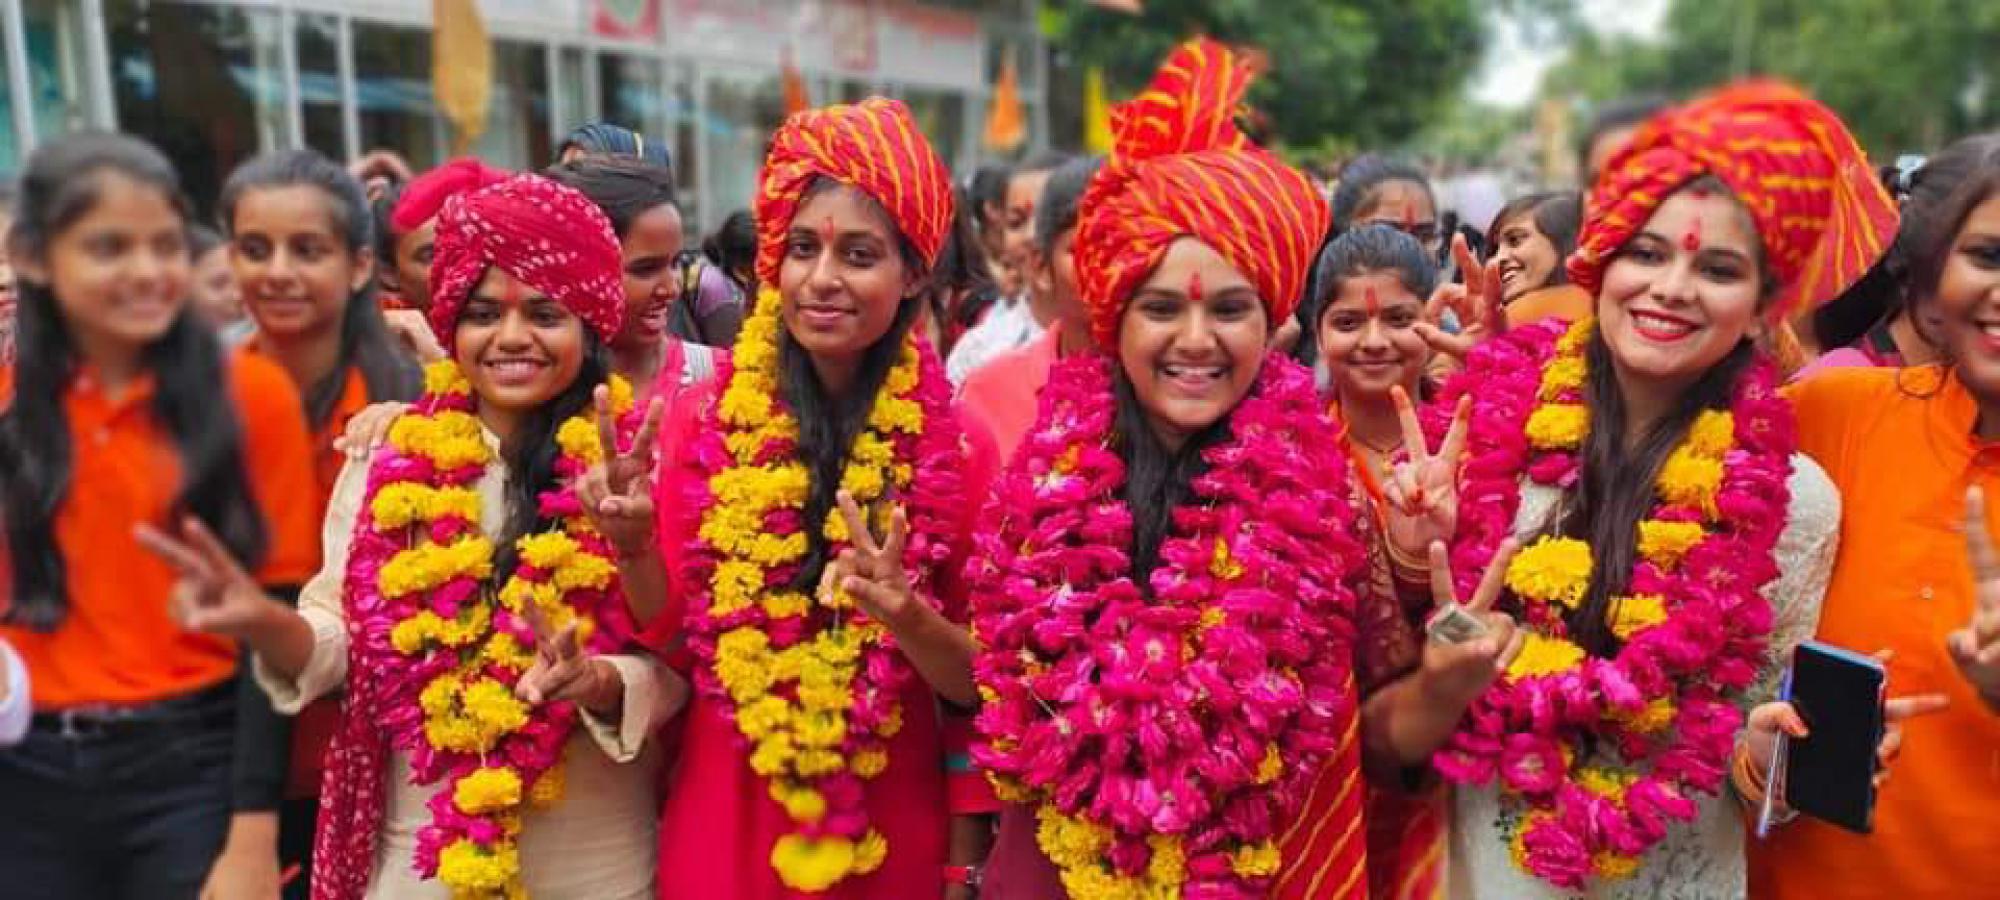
x: 123, y: 413
x: 463, y: 586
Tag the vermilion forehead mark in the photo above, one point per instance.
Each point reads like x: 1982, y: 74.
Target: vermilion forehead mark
x: 827, y: 231
x: 1409, y: 217
x: 1194, y: 287
x: 1371, y: 302
x: 514, y: 293
x: 1691, y: 241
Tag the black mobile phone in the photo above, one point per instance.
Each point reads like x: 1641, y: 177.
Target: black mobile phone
x: 1830, y: 774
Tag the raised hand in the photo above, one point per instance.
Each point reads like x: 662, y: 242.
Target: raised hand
x: 1767, y: 720
x: 1455, y: 674
x: 213, y: 594
x: 1422, y: 490
x: 872, y: 571
x: 562, y: 671
x: 413, y: 332
x: 617, y: 493
x: 1976, y: 647
x: 1477, y: 302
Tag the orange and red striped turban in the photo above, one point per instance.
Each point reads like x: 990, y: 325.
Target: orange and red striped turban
x: 1820, y: 212
x: 873, y: 145
x: 1180, y: 168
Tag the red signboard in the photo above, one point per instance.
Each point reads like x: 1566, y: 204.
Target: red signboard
x: 628, y: 20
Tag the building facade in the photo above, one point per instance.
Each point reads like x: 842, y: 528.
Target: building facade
x: 215, y: 81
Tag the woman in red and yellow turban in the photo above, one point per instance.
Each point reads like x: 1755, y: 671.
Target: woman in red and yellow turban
x: 1674, y: 545
x: 813, y: 515
x: 1161, y: 587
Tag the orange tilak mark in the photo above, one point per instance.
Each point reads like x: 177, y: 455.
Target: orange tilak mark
x: 827, y: 231
x: 1372, y: 302
x: 1691, y: 241
x: 1194, y: 287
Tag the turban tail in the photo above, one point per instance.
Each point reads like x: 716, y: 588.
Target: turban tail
x: 1180, y: 168
x: 548, y: 236
x: 873, y: 145
x: 425, y: 196
x: 1821, y: 215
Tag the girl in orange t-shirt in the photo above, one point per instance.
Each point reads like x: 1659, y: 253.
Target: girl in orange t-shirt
x: 298, y: 226
x: 123, y: 412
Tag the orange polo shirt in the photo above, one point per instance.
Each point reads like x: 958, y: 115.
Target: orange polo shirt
x: 1899, y: 445
x: 118, y: 644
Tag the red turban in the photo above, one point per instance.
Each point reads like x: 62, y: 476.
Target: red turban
x: 1821, y: 214
x: 873, y: 145
x: 425, y: 195
x: 548, y: 236
x: 1179, y: 167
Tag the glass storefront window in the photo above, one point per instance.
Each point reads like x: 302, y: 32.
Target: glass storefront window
x: 319, y: 84
x: 58, y: 66
x: 742, y: 109
x: 637, y: 94
x: 202, y: 82
x: 392, y: 93
x: 572, y: 88
x: 517, y: 116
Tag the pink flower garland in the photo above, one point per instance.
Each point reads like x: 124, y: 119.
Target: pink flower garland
x: 394, y: 681
x: 1200, y: 712
x: 1527, y: 731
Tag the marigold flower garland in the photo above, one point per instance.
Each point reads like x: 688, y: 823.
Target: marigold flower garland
x: 445, y: 649
x: 1693, y: 627
x: 1167, y: 737
x: 812, y: 684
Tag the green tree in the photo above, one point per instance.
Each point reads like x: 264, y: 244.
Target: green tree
x: 1904, y: 74
x: 1366, y: 72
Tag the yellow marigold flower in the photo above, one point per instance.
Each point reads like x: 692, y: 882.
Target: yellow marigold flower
x: 1690, y: 480
x: 1543, y: 655
x: 404, y: 504
x: 444, y: 377
x: 487, y: 790
x: 1654, y: 718
x: 821, y: 729
x: 743, y: 405
x: 743, y: 643
x: 1552, y: 570
x: 1271, y: 766
x: 1577, y: 337
x: 735, y: 586
x: 1168, y: 867
x: 410, y: 635
x: 772, y: 755
x: 494, y: 706
x: 763, y: 716
x: 870, y: 852
x: 1222, y: 565
x: 812, y: 864
x: 585, y: 570
x: 621, y: 397
x: 1630, y: 615
x: 579, y: 439
x: 1664, y: 543
x: 815, y: 763
x: 837, y: 647
x: 862, y: 482
x: 1068, y: 840
x: 1614, y: 867
x: 1558, y: 426
x: 802, y: 804
x: 1713, y: 433
x: 503, y: 650
x: 870, y: 763
x: 1256, y: 861
x: 892, y: 722
x: 440, y: 696
x: 1564, y: 373
x: 471, y: 870
x: 1009, y: 790
x: 1604, y: 781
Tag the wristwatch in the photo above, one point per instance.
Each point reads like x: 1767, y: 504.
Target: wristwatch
x: 970, y: 876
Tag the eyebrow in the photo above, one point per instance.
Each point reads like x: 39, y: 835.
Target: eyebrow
x: 1229, y: 292
x: 850, y: 234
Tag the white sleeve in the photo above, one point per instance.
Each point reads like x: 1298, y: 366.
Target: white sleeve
x: 15, y: 707
x: 653, y: 695
x: 319, y: 602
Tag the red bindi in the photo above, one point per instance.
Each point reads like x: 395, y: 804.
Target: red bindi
x: 1691, y: 241
x: 514, y: 294
x: 827, y: 231
x: 1409, y: 217
x: 1194, y: 287
x: 1373, y: 302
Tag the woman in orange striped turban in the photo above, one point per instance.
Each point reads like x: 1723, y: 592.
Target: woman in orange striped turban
x: 1161, y: 587
x: 1633, y: 496
x: 813, y: 516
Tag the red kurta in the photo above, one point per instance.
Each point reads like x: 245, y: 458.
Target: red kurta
x: 719, y: 822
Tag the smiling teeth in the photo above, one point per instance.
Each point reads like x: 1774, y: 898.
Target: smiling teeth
x: 1660, y: 324
x: 1178, y: 371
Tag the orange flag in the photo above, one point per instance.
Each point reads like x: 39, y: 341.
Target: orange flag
x: 797, y: 97
x: 461, y: 69
x: 1006, y: 125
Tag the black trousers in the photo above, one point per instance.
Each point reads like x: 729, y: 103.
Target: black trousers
x: 128, y: 810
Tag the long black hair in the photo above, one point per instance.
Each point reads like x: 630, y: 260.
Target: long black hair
x: 1616, y: 488
x: 531, y: 452
x: 1158, y: 480
x: 63, y: 181
x: 828, y: 425
x: 365, y: 344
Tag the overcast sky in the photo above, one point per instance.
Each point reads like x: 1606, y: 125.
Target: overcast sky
x: 1513, y: 67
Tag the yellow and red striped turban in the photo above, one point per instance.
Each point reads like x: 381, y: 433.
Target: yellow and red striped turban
x: 873, y: 145
x: 1180, y: 168
x: 1820, y: 212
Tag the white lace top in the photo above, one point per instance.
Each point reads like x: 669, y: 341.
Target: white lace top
x: 1701, y: 860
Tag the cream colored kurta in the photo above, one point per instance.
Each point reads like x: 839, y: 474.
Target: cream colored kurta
x: 598, y: 843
